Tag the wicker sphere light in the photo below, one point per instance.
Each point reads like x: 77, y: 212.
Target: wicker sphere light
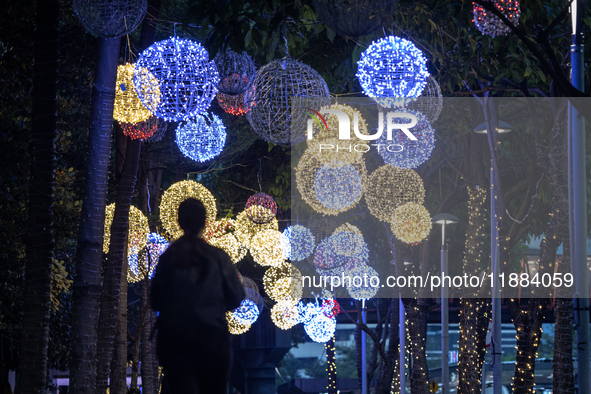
x: 187, y: 79
x: 177, y: 193
x: 265, y: 248
x: 145, y: 130
x: 297, y: 242
x: 388, y: 187
x: 326, y: 137
x: 232, y: 104
x: 492, y: 25
x: 202, y: 138
x: 112, y: 18
x: 328, y: 188
x: 354, y: 18
x: 362, y: 289
x: 285, y: 314
x: 246, y: 229
x: 145, y: 262
x: 323, y: 227
x: 220, y: 234
x: 235, y: 326
x: 159, y: 133
x: 283, y: 282
x: 320, y: 328
x: 403, y: 152
x: 430, y: 102
x: 277, y: 89
x: 392, y: 71
x: 137, y: 232
x: 236, y: 70
x: 411, y: 223
x: 128, y: 107
x: 260, y: 208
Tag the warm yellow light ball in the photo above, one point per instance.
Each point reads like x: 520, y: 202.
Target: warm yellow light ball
x: 246, y: 228
x: 137, y: 233
x: 285, y: 314
x: 411, y: 223
x: 265, y: 248
x: 283, y: 282
x: 128, y: 107
x: 234, y: 326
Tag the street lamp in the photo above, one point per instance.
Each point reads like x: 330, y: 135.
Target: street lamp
x: 443, y: 219
x: 502, y: 127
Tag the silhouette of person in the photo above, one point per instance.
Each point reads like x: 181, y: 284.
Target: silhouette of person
x: 193, y: 287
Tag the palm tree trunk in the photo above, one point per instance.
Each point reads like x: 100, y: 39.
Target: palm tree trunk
x: 87, y: 280
x: 39, y: 244
x: 119, y: 366
x: 562, y: 362
x: 146, y: 344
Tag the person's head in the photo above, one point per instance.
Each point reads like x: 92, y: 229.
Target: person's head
x: 191, y: 216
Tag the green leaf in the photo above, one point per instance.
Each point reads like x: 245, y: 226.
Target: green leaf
x: 527, y: 72
x: 330, y: 33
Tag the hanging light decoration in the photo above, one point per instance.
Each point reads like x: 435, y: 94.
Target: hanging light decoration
x: 221, y: 234
x: 234, y: 325
x: 158, y: 134
x: 177, y: 193
x: 202, y: 138
x: 265, y: 248
x: 411, y: 223
x: 283, y: 282
x: 261, y: 208
x: 323, y: 227
x: 492, y: 25
x: 247, y: 313
x: 330, y: 189
x: 145, y: 262
x: 329, y: 260
x: 187, y: 79
x: 128, y: 107
x: 143, y: 130
x: 320, y: 328
x: 232, y: 104
x: 278, y: 87
x: 112, y: 18
x: 388, y: 187
x: 350, y: 244
x: 307, y: 311
x: 340, y: 153
x: 403, y: 152
x: 285, y: 314
x: 364, y: 288
x: 297, y: 243
x: 246, y: 228
x: 330, y: 308
x: 236, y: 70
x: 392, y: 71
x: 137, y: 232
x: 348, y: 228
x: 430, y: 102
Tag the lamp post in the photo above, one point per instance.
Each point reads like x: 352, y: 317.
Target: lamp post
x: 496, y: 338
x: 443, y: 219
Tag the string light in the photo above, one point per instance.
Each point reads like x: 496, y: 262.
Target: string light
x: 297, y: 243
x: 392, y: 71
x: 364, y: 288
x: 201, y: 139
x: 234, y: 325
x: 261, y: 208
x: 411, y: 223
x: 112, y: 18
x: 158, y: 134
x: 285, y: 314
x: 128, y: 107
x: 137, y: 231
x: 246, y: 228
x: 412, y: 153
x: 220, y: 234
x: 236, y: 70
x: 145, y: 130
x: 177, y: 193
x: 278, y: 87
x: 388, y: 187
x: 283, y: 282
x: 146, y: 260
x: 329, y: 188
x: 247, y: 313
x: 492, y: 25
x: 331, y: 365
x: 320, y: 328
x: 188, y: 80
x: 233, y: 105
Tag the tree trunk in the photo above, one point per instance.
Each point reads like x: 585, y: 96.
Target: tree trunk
x: 112, y: 269
x: 87, y: 280
x: 119, y: 365
x: 331, y: 366
x: 386, y: 380
x: 146, y: 344
x: 39, y: 243
x: 419, y: 373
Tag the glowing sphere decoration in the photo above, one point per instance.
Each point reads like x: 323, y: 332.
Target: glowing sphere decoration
x: 327, y: 187
x: 145, y: 130
x: 297, y: 243
x: 246, y: 228
x: 430, y: 102
x: 308, y: 310
x: 235, y: 326
x: 232, y: 104
x: 328, y: 258
x: 330, y: 308
x: 128, y: 107
x: 111, y: 18
x: 411, y: 223
x: 403, y: 152
x: 145, y: 262
x: 348, y: 228
x: 177, y: 193
x: 283, y: 282
x: 202, y: 138
x: 350, y: 244
x: 220, y: 234
x: 362, y: 287
x: 320, y: 328
x: 492, y: 25
x: 187, y: 79
x: 392, y: 71
x: 137, y: 232
x: 236, y: 70
x: 388, y: 187
x: 285, y: 314
x: 247, y: 313
x: 261, y: 208
x: 278, y: 87
x: 158, y: 134
x: 265, y: 248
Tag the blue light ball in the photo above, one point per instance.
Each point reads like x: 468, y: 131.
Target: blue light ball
x: 320, y: 328
x: 297, y: 243
x: 187, y: 80
x: 393, y: 71
x: 201, y: 139
x: 338, y: 187
x: 247, y: 313
x: 362, y: 289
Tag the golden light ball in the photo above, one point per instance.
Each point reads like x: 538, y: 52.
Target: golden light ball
x: 128, y: 107
x: 285, y: 314
x: 411, y: 223
x: 283, y: 282
x: 265, y: 248
x: 245, y: 229
x: 137, y: 232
